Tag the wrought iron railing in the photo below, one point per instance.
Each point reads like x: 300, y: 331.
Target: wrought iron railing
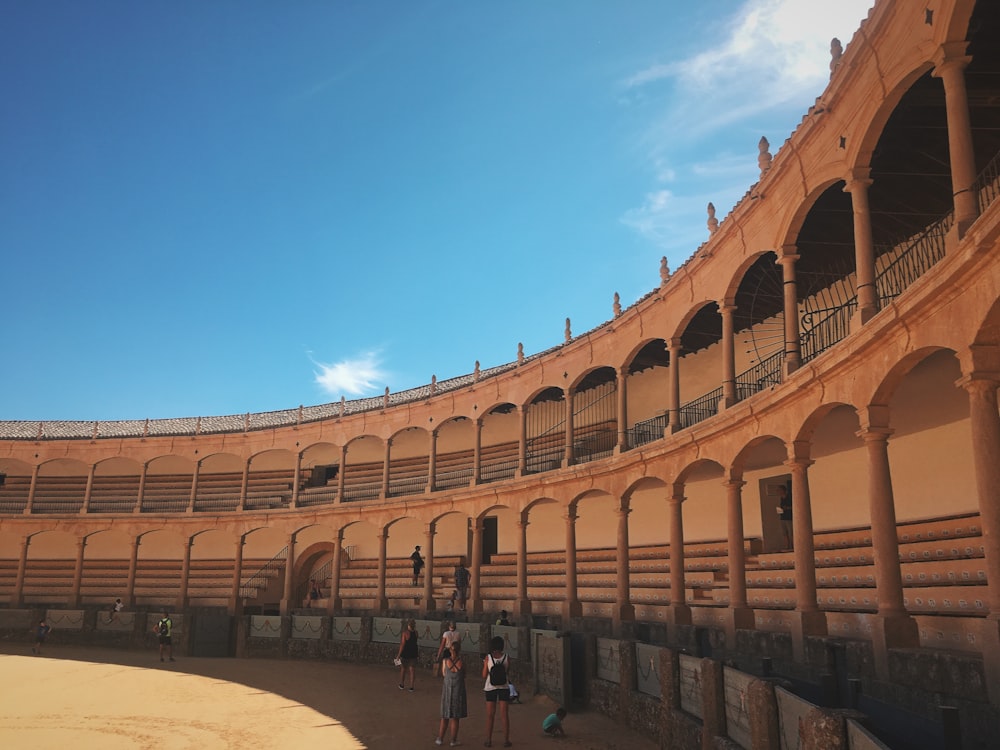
x: 324, y: 497
x: 367, y: 491
x: 598, y: 444
x: 496, y: 472
x: 764, y: 374
x: 922, y: 252
x: 987, y: 184
x: 701, y: 408
x: 112, y: 505
x: 453, y: 478
x: 647, y: 430
x: 260, y: 579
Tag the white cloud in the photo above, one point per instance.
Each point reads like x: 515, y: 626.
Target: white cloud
x: 356, y: 377
x: 765, y: 64
x: 771, y: 52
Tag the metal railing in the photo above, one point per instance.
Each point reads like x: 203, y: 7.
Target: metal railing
x: 914, y: 261
x: 498, y: 471
x: 764, y: 374
x: 701, y: 408
x: 647, y: 430
x: 987, y: 184
x: 260, y: 579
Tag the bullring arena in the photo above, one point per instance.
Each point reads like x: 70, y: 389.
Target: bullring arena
x: 838, y: 334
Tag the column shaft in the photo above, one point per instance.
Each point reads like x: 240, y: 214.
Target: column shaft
x: 961, y: 152
x: 864, y: 248
x: 476, y: 595
x: 790, y: 312
x: 885, y: 542
x: 737, y: 555
x: 728, y: 354
x: 429, y: 604
x: 622, y: 404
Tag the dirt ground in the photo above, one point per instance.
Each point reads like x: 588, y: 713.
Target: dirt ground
x: 123, y: 700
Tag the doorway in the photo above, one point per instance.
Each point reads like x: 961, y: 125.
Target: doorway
x: 489, y: 539
x: 773, y: 539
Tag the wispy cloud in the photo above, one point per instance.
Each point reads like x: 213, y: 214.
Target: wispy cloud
x: 769, y: 61
x: 771, y: 52
x: 359, y: 376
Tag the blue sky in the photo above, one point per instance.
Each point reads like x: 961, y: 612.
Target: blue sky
x: 214, y: 208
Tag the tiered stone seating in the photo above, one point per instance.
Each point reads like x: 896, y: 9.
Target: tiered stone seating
x: 453, y: 469
x: 8, y: 579
x: 14, y: 494
x: 408, y: 476
x: 59, y: 494
x: 49, y: 582
x: 498, y: 461
x: 941, y: 564
x: 359, y: 582
x: 363, y: 481
x: 114, y: 494
x: 166, y: 493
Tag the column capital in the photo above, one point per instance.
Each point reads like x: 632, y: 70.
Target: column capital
x: 726, y: 307
x: 571, y: 514
x: 799, y: 463
x: 950, y: 55
x: 875, y: 434
x: 979, y: 381
x: 430, y: 528
x: 858, y: 179
x: 734, y: 484
x: 623, y: 511
x: 522, y: 524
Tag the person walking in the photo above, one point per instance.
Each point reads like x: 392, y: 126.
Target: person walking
x: 496, y: 690
x: 454, y: 703
x: 408, y: 653
x: 461, y: 592
x: 164, y: 630
x: 784, y: 509
x: 41, y: 633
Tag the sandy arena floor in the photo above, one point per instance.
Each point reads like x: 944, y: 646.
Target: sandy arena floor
x: 123, y: 700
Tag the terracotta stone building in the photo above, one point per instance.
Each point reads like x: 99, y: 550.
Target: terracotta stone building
x: 837, y: 334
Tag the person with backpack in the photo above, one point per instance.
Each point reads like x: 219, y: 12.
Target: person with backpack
x: 496, y: 689
x: 163, y: 630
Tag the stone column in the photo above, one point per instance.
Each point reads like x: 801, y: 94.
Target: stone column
x: 680, y: 612
x: 523, y: 605
x: 31, y: 490
x: 381, y: 601
x: 17, y: 597
x: 133, y: 567
x: 142, y: 488
x: 569, y: 457
x: 571, y: 604
x: 984, y: 425
x: 790, y: 310
x: 727, y: 312
x: 475, y: 603
x: 950, y: 62
x: 385, y: 468
x: 296, y: 480
x: 244, y: 484
x: 89, y: 490
x: 194, y: 486
x: 477, y: 451
x: 674, y: 403
x: 522, y: 440
x: 624, y: 610
x: 892, y: 627
x: 342, y: 473
x: 429, y: 604
x: 182, y: 596
x: 809, y: 619
x: 234, y: 594
x: 864, y: 249
x: 740, y: 615
x: 334, y: 603
x: 287, y: 602
x: 431, y: 460
x: 74, y: 597
x: 622, y: 404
